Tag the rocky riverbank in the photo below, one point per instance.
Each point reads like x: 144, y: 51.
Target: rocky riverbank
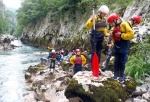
x: 5, y: 42
x: 61, y: 85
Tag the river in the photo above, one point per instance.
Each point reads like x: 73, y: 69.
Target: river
x: 13, y: 64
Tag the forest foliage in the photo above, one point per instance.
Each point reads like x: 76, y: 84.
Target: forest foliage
x: 34, y: 10
x: 7, y: 20
x: 3, y: 22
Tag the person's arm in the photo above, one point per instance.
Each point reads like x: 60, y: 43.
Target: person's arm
x: 72, y: 59
x: 127, y: 32
x: 89, y: 23
x: 105, y: 32
x: 83, y: 59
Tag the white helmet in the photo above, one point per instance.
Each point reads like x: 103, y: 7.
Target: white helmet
x: 104, y: 9
x: 53, y: 50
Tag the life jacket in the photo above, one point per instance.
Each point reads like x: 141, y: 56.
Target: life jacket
x: 100, y: 23
x: 78, y: 60
x: 116, y: 30
x: 53, y: 56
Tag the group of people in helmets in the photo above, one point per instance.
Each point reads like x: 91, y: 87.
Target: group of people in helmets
x: 121, y: 34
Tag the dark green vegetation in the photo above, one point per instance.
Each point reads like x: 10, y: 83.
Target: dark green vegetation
x: 138, y: 64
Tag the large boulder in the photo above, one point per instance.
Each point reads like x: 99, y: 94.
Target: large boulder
x: 99, y: 89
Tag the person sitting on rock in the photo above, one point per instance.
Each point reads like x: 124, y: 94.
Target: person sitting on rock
x: 52, y: 56
x: 78, y: 61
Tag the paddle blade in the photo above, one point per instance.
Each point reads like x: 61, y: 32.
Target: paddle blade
x: 95, y: 65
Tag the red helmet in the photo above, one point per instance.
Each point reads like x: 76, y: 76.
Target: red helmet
x: 112, y: 17
x: 136, y: 18
x: 78, y: 50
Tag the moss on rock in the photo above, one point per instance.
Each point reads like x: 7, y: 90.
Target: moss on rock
x: 66, y: 66
x: 112, y: 91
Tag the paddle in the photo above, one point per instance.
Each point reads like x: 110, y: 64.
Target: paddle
x: 95, y: 61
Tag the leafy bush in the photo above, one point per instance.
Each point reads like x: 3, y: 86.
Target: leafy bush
x: 138, y: 65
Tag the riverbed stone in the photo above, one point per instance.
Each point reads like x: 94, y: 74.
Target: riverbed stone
x: 101, y: 89
x: 27, y: 75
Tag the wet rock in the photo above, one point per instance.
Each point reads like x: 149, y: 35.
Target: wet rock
x: 138, y: 100
x: 5, y: 42
x: 75, y: 99
x: 146, y: 96
x: 27, y: 75
x: 29, y: 97
x: 66, y: 65
x: 101, y: 89
x: 35, y: 69
x: 38, y: 82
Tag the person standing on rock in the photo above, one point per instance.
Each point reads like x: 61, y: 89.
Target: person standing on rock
x: 78, y: 61
x: 122, y: 34
x: 52, y: 57
x: 100, y: 29
x: 110, y: 44
x: 50, y: 47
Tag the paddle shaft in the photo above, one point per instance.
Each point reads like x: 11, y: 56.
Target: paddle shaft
x: 94, y: 28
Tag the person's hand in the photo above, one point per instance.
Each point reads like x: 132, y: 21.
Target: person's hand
x: 118, y: 34
x: 106, y: 39
x: 110, y: 46
x: 92, y: 17
x: 111, y: 35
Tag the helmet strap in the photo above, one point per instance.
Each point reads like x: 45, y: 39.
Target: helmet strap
x: 134, y: 22
x: 100, y: 15
x: 115, y: 22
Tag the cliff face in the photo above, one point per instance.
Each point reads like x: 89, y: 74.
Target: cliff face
x: 71, y: 32
x: 57, y: 32
x: 138, y: 7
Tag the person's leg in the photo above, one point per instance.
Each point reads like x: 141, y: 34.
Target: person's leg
x: 122, y: 61
x: 54, y: 64
x: 77, y: 68
x: 51, y: 64
x: 110, y: 52
x: 99, y: 46
x: 92, y: 42
x: 80, y: 67
x: 116, y: 65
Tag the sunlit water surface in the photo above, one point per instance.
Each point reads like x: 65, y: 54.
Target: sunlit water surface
x: 13, y: 64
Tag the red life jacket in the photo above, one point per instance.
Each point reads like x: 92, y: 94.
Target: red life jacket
x: 116, y: 30
x: 53, y: 55
x: 78, y: 60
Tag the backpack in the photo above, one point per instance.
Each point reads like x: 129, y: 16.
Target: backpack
x: 58, y: 56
